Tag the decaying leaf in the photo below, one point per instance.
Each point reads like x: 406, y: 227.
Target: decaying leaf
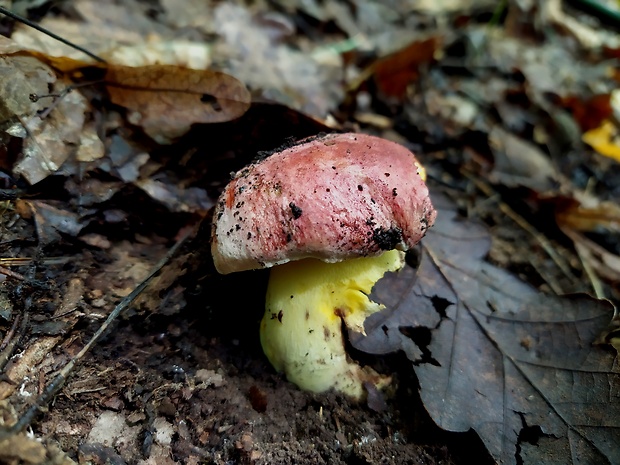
x: 51, y: 222
x: 395, y: 72
x: 520, y: 163
x: 164, y: 99
x: 493, y: 354
x: 167, y: 100
x: 191, y: 199
x: 21, y: 77
x: 49, y: 139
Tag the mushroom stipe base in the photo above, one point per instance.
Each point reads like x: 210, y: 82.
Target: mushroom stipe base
x: 301, y: 331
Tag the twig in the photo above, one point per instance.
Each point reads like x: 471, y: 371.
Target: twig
x: 590, y: 273
x: 58, y: 382
x: 13, y: 337
x: 22, y: 261
x: 20, y: 277
x: 540, y: 238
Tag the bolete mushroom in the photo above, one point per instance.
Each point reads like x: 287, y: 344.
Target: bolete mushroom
x: 342, y: 209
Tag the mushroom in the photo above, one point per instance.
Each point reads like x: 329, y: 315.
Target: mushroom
x: 332, y: 215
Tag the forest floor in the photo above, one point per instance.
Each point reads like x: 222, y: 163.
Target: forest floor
x: 510, y: 108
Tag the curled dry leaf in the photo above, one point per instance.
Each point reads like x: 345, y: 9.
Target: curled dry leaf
x: 167, y: 100
x: 493, y: 354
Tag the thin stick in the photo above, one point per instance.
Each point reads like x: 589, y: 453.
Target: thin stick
x: 58, y: 382
x: 514, y: 216
x: 34, y: 25
x: 12, y: 338
x: 20, y: 277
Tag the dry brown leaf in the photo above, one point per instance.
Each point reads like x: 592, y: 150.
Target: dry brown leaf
x: 395, y: 72
x: 167, y: 100
x: 589, y: 215
x: 164, y: 99
x: 589, y: 113
x: 493, y: 354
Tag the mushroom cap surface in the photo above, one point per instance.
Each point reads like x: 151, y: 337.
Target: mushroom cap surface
x: 332, y: 197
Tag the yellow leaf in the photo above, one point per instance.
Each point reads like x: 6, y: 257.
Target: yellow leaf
x: 604, y: 139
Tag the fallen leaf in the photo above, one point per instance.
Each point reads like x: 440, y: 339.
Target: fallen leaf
x: 50, y: 136
x: 305, y: 77
x: 395, y: 72
x: 588, y: 113
x: 493, y: 354
x: 164, y: 99
x: 520, y: 163
x: 177, y: 199
x: 167, y: 100
x: 587, y: 213
x: 22, y: 77
x: 51, y: 222
x: 604, y: 139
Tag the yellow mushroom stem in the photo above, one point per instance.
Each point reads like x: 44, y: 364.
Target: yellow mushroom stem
x: 301, y: 331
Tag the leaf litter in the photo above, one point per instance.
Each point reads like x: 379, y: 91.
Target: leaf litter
x: 494, y: 354
x: 490, y: 352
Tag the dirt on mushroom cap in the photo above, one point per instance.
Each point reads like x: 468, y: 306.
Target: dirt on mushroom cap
x: 334, y: 197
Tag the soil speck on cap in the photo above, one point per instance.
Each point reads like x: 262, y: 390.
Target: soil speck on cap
x: 295, y: 210
x: 387, y: 239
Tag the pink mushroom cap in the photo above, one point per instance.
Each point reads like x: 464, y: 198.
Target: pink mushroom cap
x: 331, y: 197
